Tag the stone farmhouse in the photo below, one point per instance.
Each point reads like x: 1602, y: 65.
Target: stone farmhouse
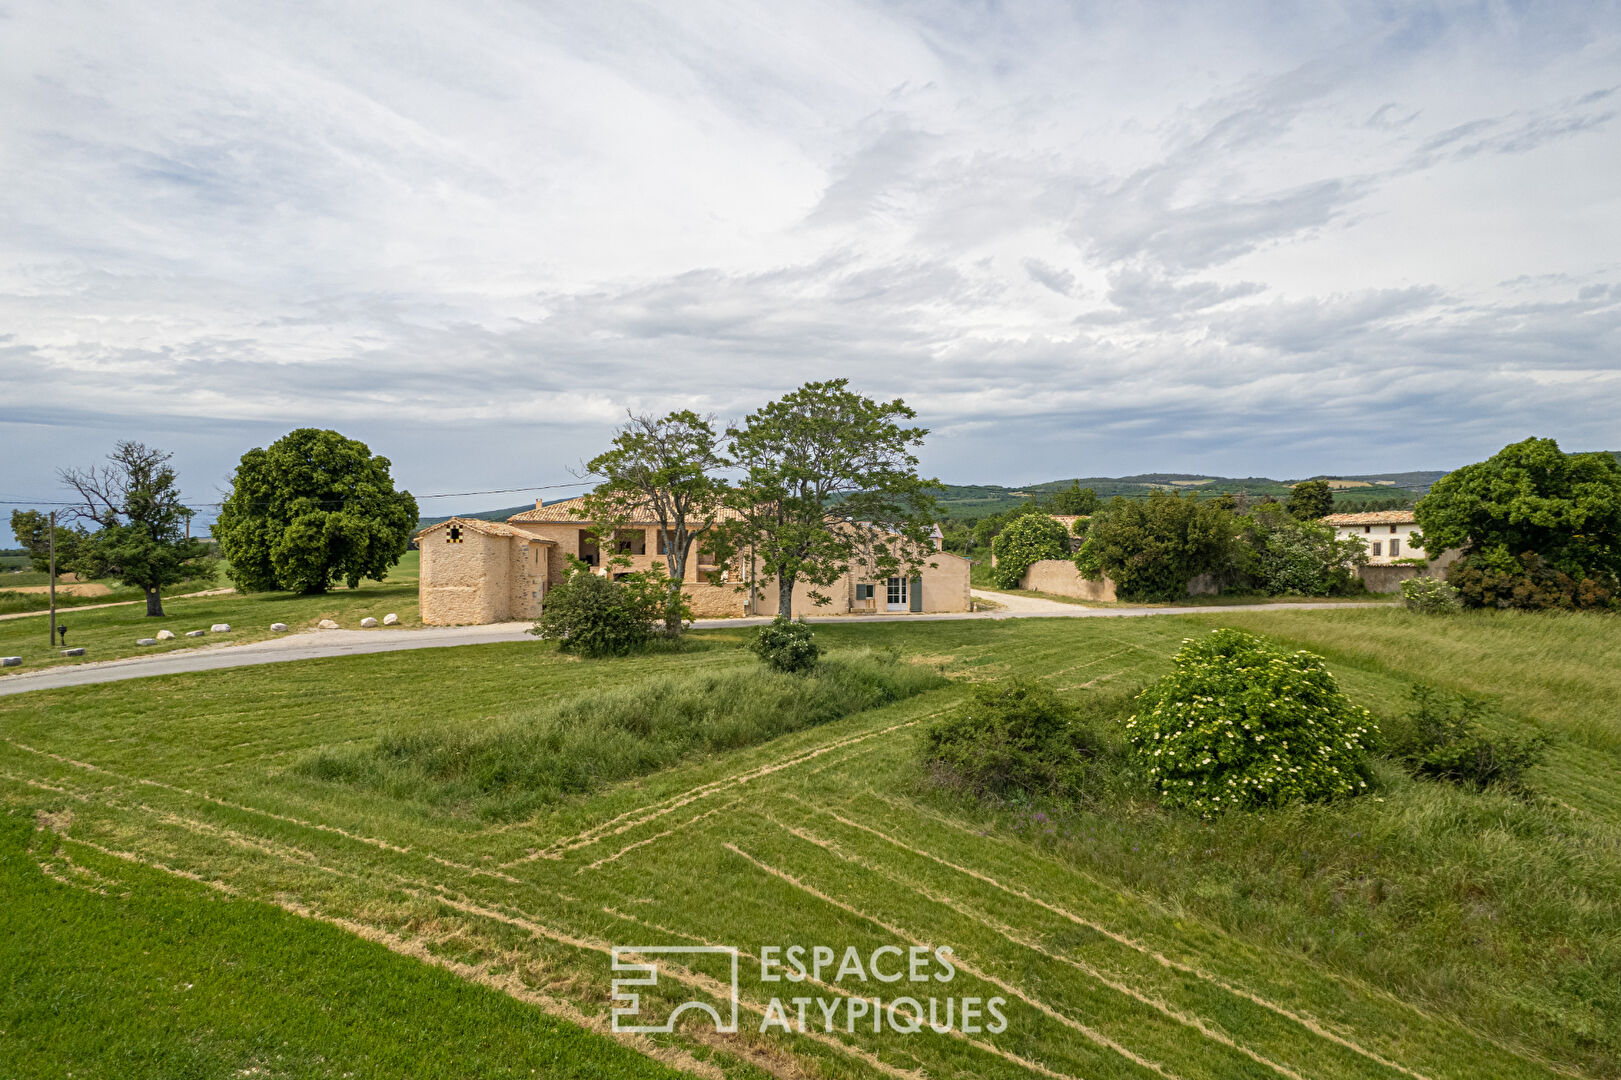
x: 477, y: 571
x: 1387, y: 534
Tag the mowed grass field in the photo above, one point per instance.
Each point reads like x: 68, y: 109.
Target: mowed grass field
x: 108, y: 633
x: 1423, y: 931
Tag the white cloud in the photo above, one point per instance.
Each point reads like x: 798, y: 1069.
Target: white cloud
x: 1078, y: 241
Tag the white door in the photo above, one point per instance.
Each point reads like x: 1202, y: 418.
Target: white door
x: 896, y: 594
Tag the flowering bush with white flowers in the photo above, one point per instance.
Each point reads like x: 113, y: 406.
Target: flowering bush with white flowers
x: 1241, y: 724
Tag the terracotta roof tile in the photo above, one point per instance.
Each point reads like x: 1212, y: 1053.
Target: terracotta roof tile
x: 1372, y: 517
x: 479, y: 525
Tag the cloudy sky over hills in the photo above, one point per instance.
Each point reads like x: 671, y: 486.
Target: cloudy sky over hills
x: 1079, y: 240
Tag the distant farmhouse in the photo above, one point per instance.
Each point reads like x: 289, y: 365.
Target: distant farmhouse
x: 477, y: 571
x: 1387, y: 534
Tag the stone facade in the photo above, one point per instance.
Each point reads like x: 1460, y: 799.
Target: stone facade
x: 1060, y: 578
x: 1386, y: 534
x: 483, y: 571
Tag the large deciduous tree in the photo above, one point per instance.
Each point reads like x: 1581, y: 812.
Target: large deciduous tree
x: 1310, y: 500
x: 33, y: 531
x: 1074, y: 500
x: 1530, y: 498
x: 663, y: 469
x: 140, y: 535
x: 1153, y: 547
x: 829, y: 479
x: 312, y: 509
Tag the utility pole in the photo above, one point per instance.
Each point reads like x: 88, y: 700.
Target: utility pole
x: 53, y: 577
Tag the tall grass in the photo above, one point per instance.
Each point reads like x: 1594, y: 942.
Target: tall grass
x: 506, y: 770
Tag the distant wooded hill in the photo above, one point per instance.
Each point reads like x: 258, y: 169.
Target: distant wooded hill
x: 977, y: 500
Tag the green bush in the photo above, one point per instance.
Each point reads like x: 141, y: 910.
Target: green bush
x: 1009, y: 737
x: 548, y: 751
x: 1527, y: 583
x: 1026, y: 540
x: 786, y: 646
x: 1285, y: 555
x: 1430, y: 596
x: 593, y: 615
x: 1242, y: 724
x: 1442, y: 738
x: 1153, y: 547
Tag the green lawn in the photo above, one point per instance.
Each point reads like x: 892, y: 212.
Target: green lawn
x: 1422, y: 931
x: 111, y: 632
x: 117, y: 969
x: 13, y: 601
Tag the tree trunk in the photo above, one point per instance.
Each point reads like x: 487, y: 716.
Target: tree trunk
x: 785, y: 598
x: 672, y: 611
x: 154, y: 603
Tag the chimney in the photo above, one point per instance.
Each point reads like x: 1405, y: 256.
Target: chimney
x: 539, y: 503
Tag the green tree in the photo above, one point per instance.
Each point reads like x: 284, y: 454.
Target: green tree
x: 1153, y: 547
x: 1529, y: 498
x: 1311, y: 500
x: 1027, y: 539
x: 33, y: 531
x: 1074, y: 500
x: 829, y: 478
x: 664, y: 470
x: 1285, y: 554
x: 312, y: 509
x: 140, y: 537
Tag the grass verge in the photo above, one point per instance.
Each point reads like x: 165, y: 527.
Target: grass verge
x: 505, y: 770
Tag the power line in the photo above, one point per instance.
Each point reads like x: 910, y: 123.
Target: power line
x: 419, y: 498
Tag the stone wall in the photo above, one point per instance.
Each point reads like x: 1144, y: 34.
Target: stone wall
x: 1060, y: 578
x: 465, y: 583
x: 1387, y: 577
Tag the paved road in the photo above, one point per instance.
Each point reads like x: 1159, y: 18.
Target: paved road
x: 317, y: 644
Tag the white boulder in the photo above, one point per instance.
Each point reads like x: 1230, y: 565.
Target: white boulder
x: 146, y: 641
x: 73, y: 652
x: 368, y: 622
x: 195, y: 633
x: 220, y: 628
x: 165, y: 635
x: 327, y: 624
x: 10, y: 661
x: 279, y: 627
x: 390, y: 619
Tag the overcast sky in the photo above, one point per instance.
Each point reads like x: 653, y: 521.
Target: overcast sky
x: 1079, y: 240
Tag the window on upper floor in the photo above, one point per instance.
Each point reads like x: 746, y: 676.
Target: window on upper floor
x: 1376, y: 548
x: 1395, y: 548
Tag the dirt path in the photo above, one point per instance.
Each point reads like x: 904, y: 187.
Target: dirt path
x: 1026, y: 605
x: 115, y: 603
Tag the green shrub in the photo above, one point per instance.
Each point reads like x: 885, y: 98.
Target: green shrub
x: 503, y: 770
x: 786, y: 645
x: 1153, y: 547
x: 1242, y: 724
x: 595, y: 615
x: 1442, y: 738
x: 1431, y: 596
x: 1284, y: 555
x: 1009, y: 737
x: 1026, y: 540
x: 1527, y: 583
